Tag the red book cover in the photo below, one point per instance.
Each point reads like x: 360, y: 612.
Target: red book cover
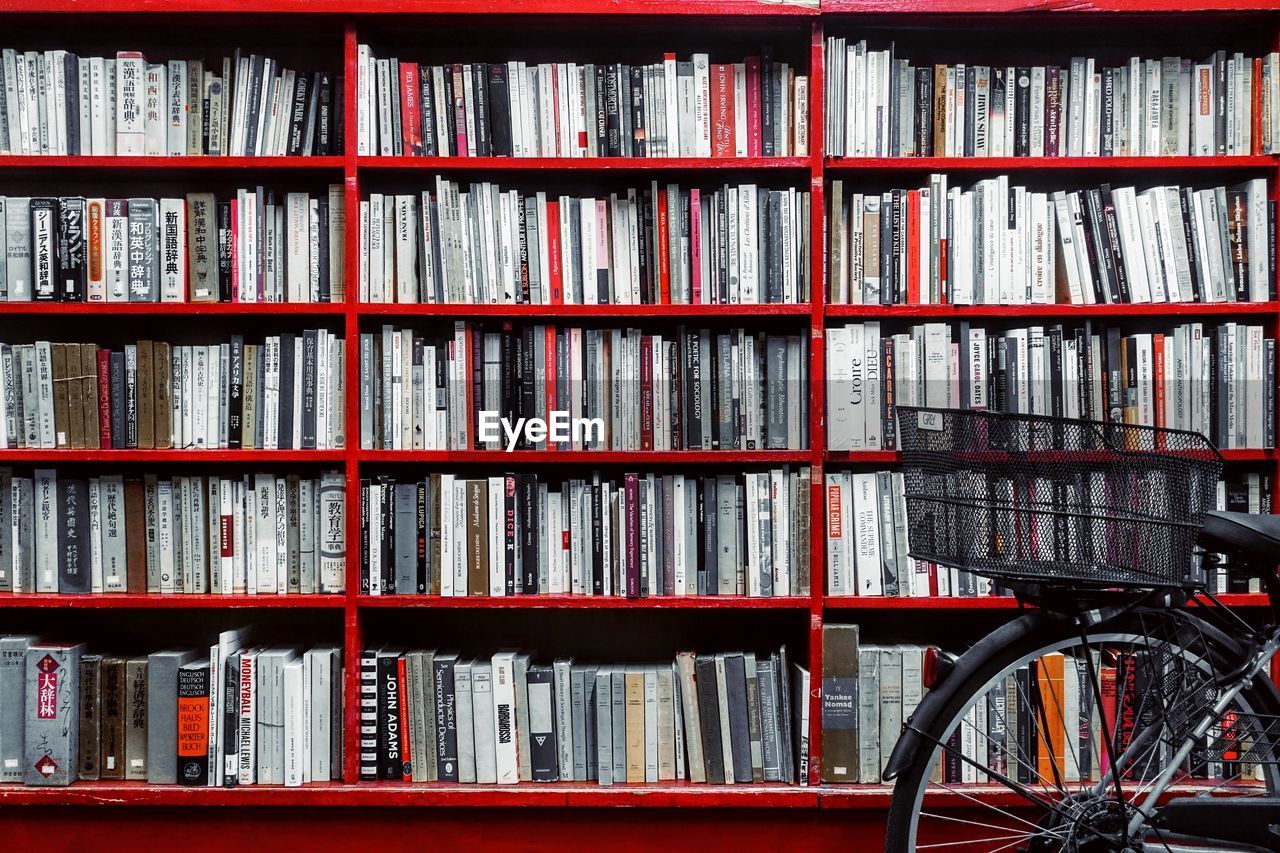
x: 721, y: 110
x: 1107, y: 686
x: 555, y: 114
x: 695, y: 245
x: 944, y: 286
x: 235, y: 252
x: 410, y: 109
x: 459, y: 111
x: 406, y: 746
x: 664, y: 256
x: 754, y: 147
x: 631, y: 483
x: 104, y: 398
x: 553, y: 253
x: 646, y: 392
x: 913, y: 247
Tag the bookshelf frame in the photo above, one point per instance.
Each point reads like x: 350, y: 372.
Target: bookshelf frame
x: 824, y: 804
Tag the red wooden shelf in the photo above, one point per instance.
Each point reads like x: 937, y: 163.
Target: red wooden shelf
x: 172, y: 601
x: 1039, y: 164
x: 590, y: 457
x: 922, y: 7
x: 668, y: 795
x: 154, y: 163
x: 584, y: 602
x: 986, y: 602
x: 259, y: 457
x: 175, y: 309
x: 732, y: 8
x: 1152, y: 309
x: 864, y: 457
x: 392, y: 309
x: 580, y: 164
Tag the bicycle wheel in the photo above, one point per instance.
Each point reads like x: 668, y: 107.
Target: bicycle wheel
x: 1019, y: 759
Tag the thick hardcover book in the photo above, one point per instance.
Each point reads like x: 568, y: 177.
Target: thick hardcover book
x: 709, y: 718
x: 111, y: 707
x: 193, y: 723
x: 446, y: 721
x: 144, y: 260
x: 390, y: 734
x: 162, y: 714
x: 13, y: 691
x: 73, y: 536
x: 739, y: 728
x: 543, y: 747
x: 52, y: 720
x: 72, y: 256
x: 840, y: 703
x: 44, y: 249
x: 136, y: 716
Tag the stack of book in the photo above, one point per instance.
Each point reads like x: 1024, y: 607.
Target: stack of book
x: 881, y: 106
x: 64, y: 532
x: 433, y: 716
x: 1211, y: 379
x: 58, y: 103
x: 1002, y: 244
x: 249, y: 247
x: 653, y: 245
x: 230, y: 713
x: 636, y: 536
x: 283, y: 394
x: 758, y: 107
x: 592, y: 389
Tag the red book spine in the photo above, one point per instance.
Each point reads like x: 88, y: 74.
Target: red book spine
x: 410, y: 110
x: 459, y: 111
x: 664, y: 256
x: 944, y: 286
x: 1107, y: 686
x: 104, y: 399
x: 695, y: 245
x: 754, y: 147
x: 406, y: 748
x: 235, y: 252
x: 631, y: 483
x: 721, y: 110
x: 646, y: 392
x: 913, y: 247
x: 1157, y: 357
x: 553, y: 253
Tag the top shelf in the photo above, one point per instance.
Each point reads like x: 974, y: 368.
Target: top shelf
x: 918, y: 7
x: 734, y: 8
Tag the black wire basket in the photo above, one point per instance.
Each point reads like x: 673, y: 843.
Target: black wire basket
x: 1057, y: 501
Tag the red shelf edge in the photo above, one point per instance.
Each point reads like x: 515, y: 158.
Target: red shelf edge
x: 176, y: 309
x: 392, y: 309
x: 265, y: 457
x: 171, y: 601
x: 581, y: 602
x: 28, y: 161
x: 1023, y: 164
x: 579, y: 164
x: 1146, y: 309
x: 589, y: 457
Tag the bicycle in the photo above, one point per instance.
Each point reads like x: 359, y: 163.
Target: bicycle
x: 1127, y: 709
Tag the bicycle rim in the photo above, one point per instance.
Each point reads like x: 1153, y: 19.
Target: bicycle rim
x: 1017, y: 800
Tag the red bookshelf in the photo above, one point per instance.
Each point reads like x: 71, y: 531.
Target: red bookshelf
x: 817, y: 816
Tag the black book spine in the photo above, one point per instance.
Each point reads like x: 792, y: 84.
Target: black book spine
x: 499, y: 110
x: 365, y: 536
x: 449, y: 146
x: 544, y: 763
x: 298, y: 114
x: 1115, y: 264
x: 601, y: 111
x: 228, y: 775
x: 284, y: 436
x: 322, y: 251
x: 510, y: 532
x: 529, y: 525
x: 706, y: 540
x: 1022, y: 112
x: 709, y: 717
x: 693, y: 370
x: 73, y: 536
x: 613, y: 110
x: 427, y: 105
x: 597, y: 538
x: 117, y: 401
x: 370, y: 721
x: 72, y: 274
x: 528, y: 402
x: 390, y: 738
x: 709, y: 516
x: 256, y: 72
x: 335, y: 109
x: 309, y: 384
x: 224, y: 251
x: 235, y: 392
x: 484, y: 145
x: 735, y: 677
x: 768, y: 121
x: 970, y: 84
x: 1185, y: 206
x: 638, y: 140
x: 446, y: 721
x: 924, y: 112
x: 327, y: 117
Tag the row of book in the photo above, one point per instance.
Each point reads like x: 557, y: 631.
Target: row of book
x: 728, y: 718
x: 1211, y: 379
x: 758, y: 107
x: 879, y: 105
x: 285, y: 393
x: 250, y: 247
x: 549, y: 387
x: 1000, y: 244
x: 57, y: 103
x: 64, y: 532
x: 479, y: 243
x: 230, y: 713
x: 634, y: 536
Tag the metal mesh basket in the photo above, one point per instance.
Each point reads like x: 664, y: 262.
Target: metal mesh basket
x: 1052, y: 500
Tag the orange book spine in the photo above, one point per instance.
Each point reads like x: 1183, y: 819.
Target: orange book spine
x: 405, y: 730
x: 1157, y: 357
x: 1051, y: 738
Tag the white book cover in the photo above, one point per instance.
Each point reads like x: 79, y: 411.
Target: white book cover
x: 295, y: 756
x: 1131, y: 243
x: 505, y: 734
x: 866, y: 523
x: 264, y: 524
